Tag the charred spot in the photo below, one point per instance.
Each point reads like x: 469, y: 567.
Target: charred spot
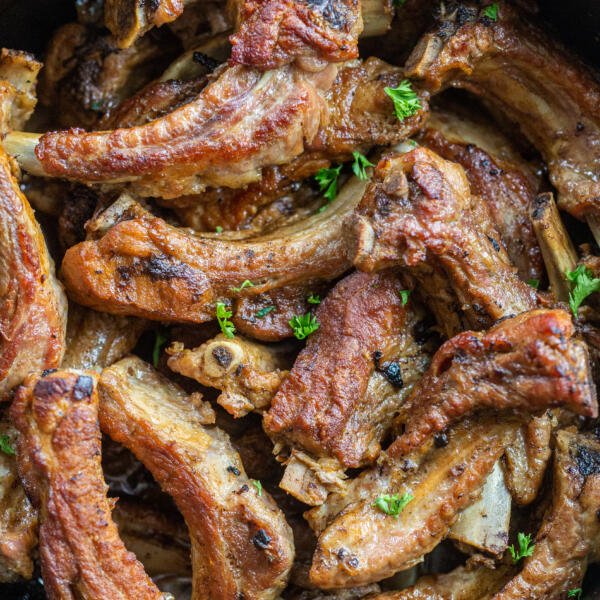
x: 579, y: 127
x: 539, y: 205
x: 240, y: 596
x: 392, y: 372
x: 83, y: 388
x: 335, y: 12
x: 588, y: 461
x: 494, y: 243
x: 377, y: 357
x: 234, y: 470
x: 353, y: 562
x: 223, y: 356
x: 124, y: 272
x: 47, y: 388
x: 382, y: 203
x: 243, y: 489
x: 161, y: 268
x: 261, y: 539
x: 440, y: 439
x: 422, y: 331
x: 464, y: 14
x: 46, y: 372
x: 209, y: 63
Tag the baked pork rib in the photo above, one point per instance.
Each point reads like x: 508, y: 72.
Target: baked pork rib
x: 58, y: 453
x: 241, y: 543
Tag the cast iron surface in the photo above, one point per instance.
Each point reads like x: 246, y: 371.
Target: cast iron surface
x: 27, y: 25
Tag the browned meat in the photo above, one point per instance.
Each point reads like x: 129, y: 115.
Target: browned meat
x: 363, y: 544
x: 276, y: 33
x: 18, y: 519
x: 32, y: 303
x: 528, y: 77
x: 96, y: 340
x: 570, y: 529
x: 526, y: 459
x: 58, y: 452
x: 504, y: 181
x: 242, y: 121
x: 418, y: 213
x: 530, y: 362
x: 145, y: 267
x: 247, y: 373
x: 324, y: 405
x: 241, y: 543
x: 77, y: 205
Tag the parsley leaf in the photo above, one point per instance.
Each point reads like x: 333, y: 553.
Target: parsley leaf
x: 245, y: 284
x: 404, y: 294
x: 574, y: 593
x: 263, y: 312
x: 491, y: 11
x: 303, y: 325
x: 406, y: 102
x: 360, y: 164
x: 525, y: 547
x: 392, y: 504
x: 218, y: 229
x: 223, y: 316
x: 6, y: 446
x: 258, y: 485
x: 159, y: 341
x: 328, y: 181
x: 583, y: 283
x: 314, y: 299
x: 534, y: 283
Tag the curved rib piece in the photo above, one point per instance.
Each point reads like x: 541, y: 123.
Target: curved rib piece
x: 323, y: 406
x: 419, y: 214
x: 247, y: 373
x: 145, y: 267
x: 278, y: 32
x: 241, y: 543
x: 363, y: 544
x: 530, y: 362
x: 568, y: 536
x: 526, y: 75
x: 32, y: 303
x: 58, y: 454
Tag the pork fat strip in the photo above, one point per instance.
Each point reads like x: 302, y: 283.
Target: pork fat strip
x: 145, y: 267
x: 278, y: 32
x: 323, y: 406
x: 530, y: 362
x: 532, y: 80
x: 241, y: 544
x: 569, y: 534
x: 505, y: 182
x: 32, y: 303
x: 442, y: 482
x: 58, y: 455
x: 419, y: 214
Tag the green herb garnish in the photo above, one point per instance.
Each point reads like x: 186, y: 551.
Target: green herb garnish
x: 574, y: 593
x: 534, y: 283
x: 159, y: 341
x: 314, y: 299
x: 304, y: 325
x: 263, y: 312
x: 245, y: 284
x: 525, y: 547
x: 406, y: 102
x: 583, y: 283
x: 360, y: 164
x: 258, y: 485
x: 491, y: 11
x: 6, y: 446
x: 393, y: 504
x: 328, y: 181
x: 404, y: 294
x: 223, y: 316
x: 218, y: 229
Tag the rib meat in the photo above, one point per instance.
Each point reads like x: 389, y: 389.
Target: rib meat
x: 419, y: 213
x: 32, y: 303
x: 530, y: 362
x: 145, y: 267
x: 443, y: 481
x: 241, y: 544
x: 58, y: 452
x: 532, y: 80
x: 568, y: 536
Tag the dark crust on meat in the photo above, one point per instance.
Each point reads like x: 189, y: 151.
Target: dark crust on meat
x: 278, y: 32
x: 530, y: 362
x: 319, y: 406
x: 59, y: 450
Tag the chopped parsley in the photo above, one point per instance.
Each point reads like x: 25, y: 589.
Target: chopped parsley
x: 491, y: 11
x: 404, y: 294
x: 534, y: 283
x: 314, y: 299
x: 6, y: 446
x: 360, y: 164
x: 406, y: 102
x: 328, y: 181
x: 263, y: 312
x: 574, y: 593
x: 393, y: 504
x: 218, y: 229
x: 159, y: 341
x: 258, y: 485
x: 304, y: 325
x: 525, y: 547
x: 223, y: 316
x: 245, y: 284
x: 583, y: 283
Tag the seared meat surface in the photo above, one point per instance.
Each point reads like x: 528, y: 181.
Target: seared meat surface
x: 58, y: 453
x: 241, y: 543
